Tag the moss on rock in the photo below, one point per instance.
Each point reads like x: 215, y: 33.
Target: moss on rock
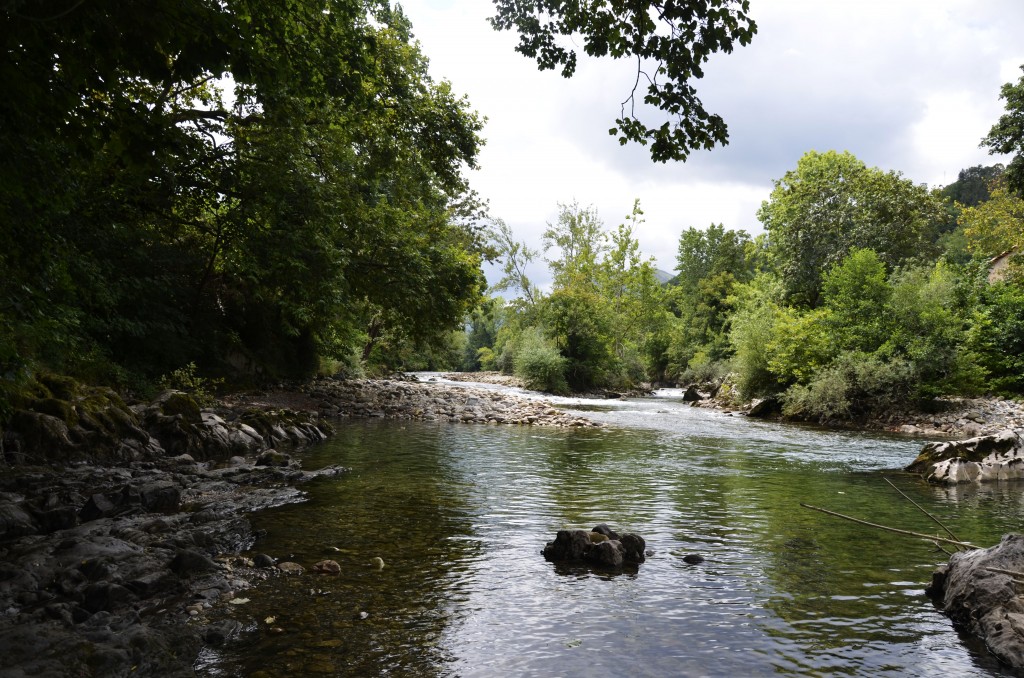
x: 174, y: 403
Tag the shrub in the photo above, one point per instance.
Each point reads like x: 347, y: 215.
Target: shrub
x: 704, y: 370
x: 188, y: 380
x: 855, y: 385
x: 486, y: 358
x: 539, y: 364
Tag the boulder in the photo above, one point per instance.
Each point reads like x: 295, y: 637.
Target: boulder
x: 762, y: 408
x: 999, y: 456
x: 979, y: 595
x: 600, y: 547
x: 15, y: 521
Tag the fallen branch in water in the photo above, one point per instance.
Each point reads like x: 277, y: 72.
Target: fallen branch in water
x: 921, y: 509
x: 893, y: 529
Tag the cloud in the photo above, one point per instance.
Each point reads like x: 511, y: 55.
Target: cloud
x: 911, y: 86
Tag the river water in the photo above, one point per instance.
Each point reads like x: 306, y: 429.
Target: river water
x: 459, y: 514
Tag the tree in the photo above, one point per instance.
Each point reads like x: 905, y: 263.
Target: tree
x: 997, y: 334
x: 855, y: 293
x: 150, y: 223
x: 995, y: 225
x: 710, y: 263
x: 832, y: 202
x: 1007, y: 135
x: 705, y: 253
x: 972, y: 185
x: 671, y: 41
x: 515, y: 257
x: 579, y: 238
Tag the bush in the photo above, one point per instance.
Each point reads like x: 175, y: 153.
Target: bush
x: 752, y: 331
x: 703, y: 370
x: 486, y: 358
x: 539, y: 364
x: 997, y: 336
x: 187, y: 379
x: 855, y: 385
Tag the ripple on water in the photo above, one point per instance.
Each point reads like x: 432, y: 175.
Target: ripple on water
x: 460, y: 513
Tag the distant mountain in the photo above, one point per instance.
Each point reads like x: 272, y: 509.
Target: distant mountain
x: 663, y: 277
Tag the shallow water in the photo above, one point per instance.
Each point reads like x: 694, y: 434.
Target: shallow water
x: 459, y: 514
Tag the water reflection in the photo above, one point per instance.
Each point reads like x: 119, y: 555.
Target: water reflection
x: 460, y: 514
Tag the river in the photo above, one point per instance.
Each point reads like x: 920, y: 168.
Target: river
x: 459, y: 514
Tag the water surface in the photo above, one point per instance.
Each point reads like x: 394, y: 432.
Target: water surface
x: 459, y: 514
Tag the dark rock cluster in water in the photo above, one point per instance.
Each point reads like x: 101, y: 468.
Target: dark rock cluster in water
x: 978, y: 589
x: 601, y: 547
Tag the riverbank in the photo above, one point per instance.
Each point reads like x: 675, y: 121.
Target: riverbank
x: 122, y: 526
x: 410, y: 399
x: 950, y: 418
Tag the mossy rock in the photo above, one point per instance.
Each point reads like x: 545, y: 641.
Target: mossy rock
x: 59, y: 386
x: 176, y: 403
x: 55, y: 407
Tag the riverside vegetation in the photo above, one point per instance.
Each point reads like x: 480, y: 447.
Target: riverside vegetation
x: 313, y: 214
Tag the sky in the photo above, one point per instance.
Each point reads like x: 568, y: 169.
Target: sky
x: 905, y: 85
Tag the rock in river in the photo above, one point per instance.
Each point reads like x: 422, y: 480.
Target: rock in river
x: 993, y: 457
x: 979, y: 591
x: 594, y: 547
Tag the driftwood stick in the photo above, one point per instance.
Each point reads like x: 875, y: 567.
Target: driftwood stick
x: 1009, y: 572
x: 892, y: 529
x: 921, y: 509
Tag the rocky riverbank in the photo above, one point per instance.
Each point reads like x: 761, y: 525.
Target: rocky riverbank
x: 122, y: 525
x: 952, y: 417
x: 421, y: 401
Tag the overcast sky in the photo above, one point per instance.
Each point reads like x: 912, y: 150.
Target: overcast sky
x: 906, y: 85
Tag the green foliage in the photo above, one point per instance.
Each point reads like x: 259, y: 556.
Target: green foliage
x: 705, y: 253
x: 515, y: 257
x: 855, y: 291
x: 997, y: 335
x: 148, y: 224
x: 579, y: 239
x: 1007, y: 135
x: 703, y: 370
x: 486, y: 359
x: 677, y: 39
x: 710, y: 264
x: 831, y: 203
x: 928, y: 317
x: 973, y: 185
x: 187, y: 379
x: 485, y: 322
x: 856, y: 385
x: 800, y: 344
x: 578, y: 324
x: 996, y: 225
x: 539, y: 364
x: 751, y: 332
